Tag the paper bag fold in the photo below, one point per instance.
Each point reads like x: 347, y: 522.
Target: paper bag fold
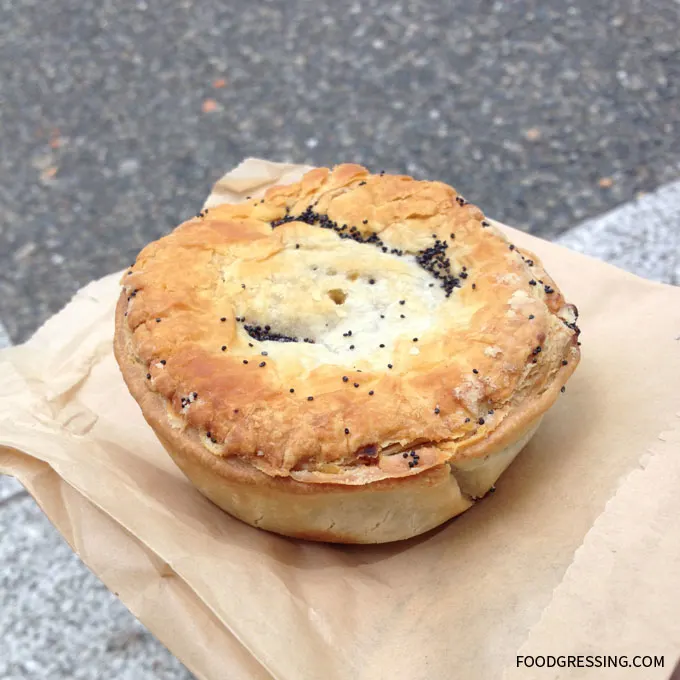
x: 233, y: 601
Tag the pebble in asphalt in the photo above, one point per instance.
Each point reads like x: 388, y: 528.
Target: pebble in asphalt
x: 117, y: 117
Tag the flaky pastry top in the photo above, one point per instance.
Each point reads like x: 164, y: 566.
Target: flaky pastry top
x: 347, y: 327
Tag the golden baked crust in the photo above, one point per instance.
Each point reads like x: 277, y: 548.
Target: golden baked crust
x: 324, y: 332
x: 390, y: 509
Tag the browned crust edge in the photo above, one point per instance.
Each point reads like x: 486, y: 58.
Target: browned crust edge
x: 385, y: 510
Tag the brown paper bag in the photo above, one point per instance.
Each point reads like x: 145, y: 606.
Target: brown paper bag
x: 459, y: 602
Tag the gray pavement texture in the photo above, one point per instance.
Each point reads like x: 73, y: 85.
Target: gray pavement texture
x: 642, y: 237
x: 58, y: 621
x: 117, y: 117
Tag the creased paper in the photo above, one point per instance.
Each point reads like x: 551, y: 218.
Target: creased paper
x: 458, y: 602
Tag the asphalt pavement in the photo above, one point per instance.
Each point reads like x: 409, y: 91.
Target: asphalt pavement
x: 116, y: 118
